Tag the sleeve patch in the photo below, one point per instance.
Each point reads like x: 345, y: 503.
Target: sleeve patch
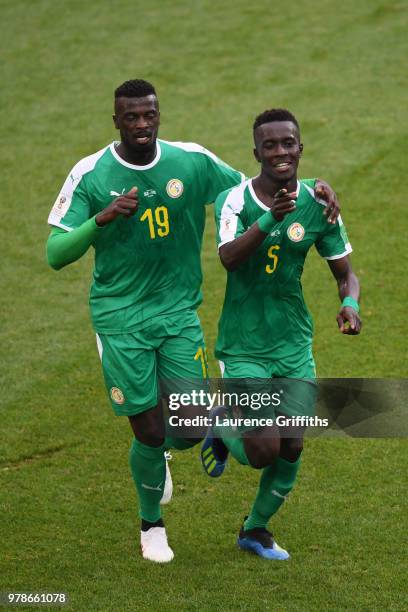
x: 61, y: 205
x: 228, y: 226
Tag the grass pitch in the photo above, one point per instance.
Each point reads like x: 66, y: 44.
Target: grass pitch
x: 67, y: 502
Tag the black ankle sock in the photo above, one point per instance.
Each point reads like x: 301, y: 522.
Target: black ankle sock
x: 146, y: 525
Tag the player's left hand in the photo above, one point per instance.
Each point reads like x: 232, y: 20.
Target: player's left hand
x: 349, y: 321
x: 325, y: 192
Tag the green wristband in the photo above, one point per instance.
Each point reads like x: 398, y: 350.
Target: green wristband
x: 351, y: 302
x: 266, y: 222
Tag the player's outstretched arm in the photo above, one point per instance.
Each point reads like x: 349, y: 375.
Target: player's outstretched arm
x: 323, y: 191
x: 348, y: 318
x: 237, y: 251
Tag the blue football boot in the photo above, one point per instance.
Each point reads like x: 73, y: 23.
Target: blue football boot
x: 260, y: 542
x: 214, y: 453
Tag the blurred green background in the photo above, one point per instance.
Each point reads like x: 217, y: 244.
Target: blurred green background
x: 68, y: 508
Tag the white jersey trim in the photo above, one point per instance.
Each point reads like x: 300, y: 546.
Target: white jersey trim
x: 99, y: 346
x: 190, y: 147
x: 118, y: 158
x: 62, y: 226
x: 258, y: 201
x: 346, y: 252
x: 347, y: 245
x: 234, y: 203
x: 193, y: 147
x: 64, y: 198
x: 312, y: 193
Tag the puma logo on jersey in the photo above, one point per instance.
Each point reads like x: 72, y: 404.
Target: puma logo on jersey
x: 149, y: 193
x: 275, y: 233
x: 115, y: 193
x: 75, y: 180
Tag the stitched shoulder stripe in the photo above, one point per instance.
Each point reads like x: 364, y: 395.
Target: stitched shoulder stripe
x: 234, y: 203
x: 190, y: 147
x: 64, y: 198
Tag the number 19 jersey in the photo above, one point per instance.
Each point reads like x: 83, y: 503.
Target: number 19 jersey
x: 264, y: 314
x: 147, y: 265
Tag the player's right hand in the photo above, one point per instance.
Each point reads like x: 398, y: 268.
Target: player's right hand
x: 125, y: 205
x: 349, y: 321
x: 283, y: 203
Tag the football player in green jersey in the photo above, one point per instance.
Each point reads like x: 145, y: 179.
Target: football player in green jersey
x: 266, y: 226
x: 140, y: 203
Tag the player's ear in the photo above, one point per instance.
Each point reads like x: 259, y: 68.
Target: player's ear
x: 256, y: 155
x: 115, y: 121
x: 300, y: 149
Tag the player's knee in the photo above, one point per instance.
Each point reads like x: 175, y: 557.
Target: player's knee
x: 264, y: 454
x: 291, y: 448
x: 148, y: 428
x: 150, y: 438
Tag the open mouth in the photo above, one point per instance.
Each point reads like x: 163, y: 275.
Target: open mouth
x: 282, y: 166
x: 143, y: 139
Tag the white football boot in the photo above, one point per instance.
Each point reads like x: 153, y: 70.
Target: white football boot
x: 154, y: 545
x: 168, y: 484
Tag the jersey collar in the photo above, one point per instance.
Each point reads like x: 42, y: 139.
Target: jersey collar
x: 258, y: 201
x: 134, y: 166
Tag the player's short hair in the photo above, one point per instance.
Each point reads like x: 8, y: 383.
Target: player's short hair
x: 136, y: 88
x: 275, y: 114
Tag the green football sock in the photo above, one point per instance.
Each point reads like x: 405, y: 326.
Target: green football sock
x: 276, y: 482
x: 179, y: 443
x: 148, y: 467
x: 234, y: 444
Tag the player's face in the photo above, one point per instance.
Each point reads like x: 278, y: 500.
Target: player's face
x: 278, y: 149
x: 138, y: 121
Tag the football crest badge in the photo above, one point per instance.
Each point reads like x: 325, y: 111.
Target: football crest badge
x: 117, y: 395
x: 296, y: 231
x: 174, y: 188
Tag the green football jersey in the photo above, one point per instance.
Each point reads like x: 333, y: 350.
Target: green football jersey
x: 147, y: 265
x: 264, y: 313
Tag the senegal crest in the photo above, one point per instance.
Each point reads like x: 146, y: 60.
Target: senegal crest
x: 117, y: 395
x: 174, y: 188
x: 296, y: 231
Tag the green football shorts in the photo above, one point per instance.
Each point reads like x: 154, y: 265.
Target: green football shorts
x: 142, y: 366
x: 288, y: 387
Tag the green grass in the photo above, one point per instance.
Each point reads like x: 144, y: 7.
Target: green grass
x: 67, y: 502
